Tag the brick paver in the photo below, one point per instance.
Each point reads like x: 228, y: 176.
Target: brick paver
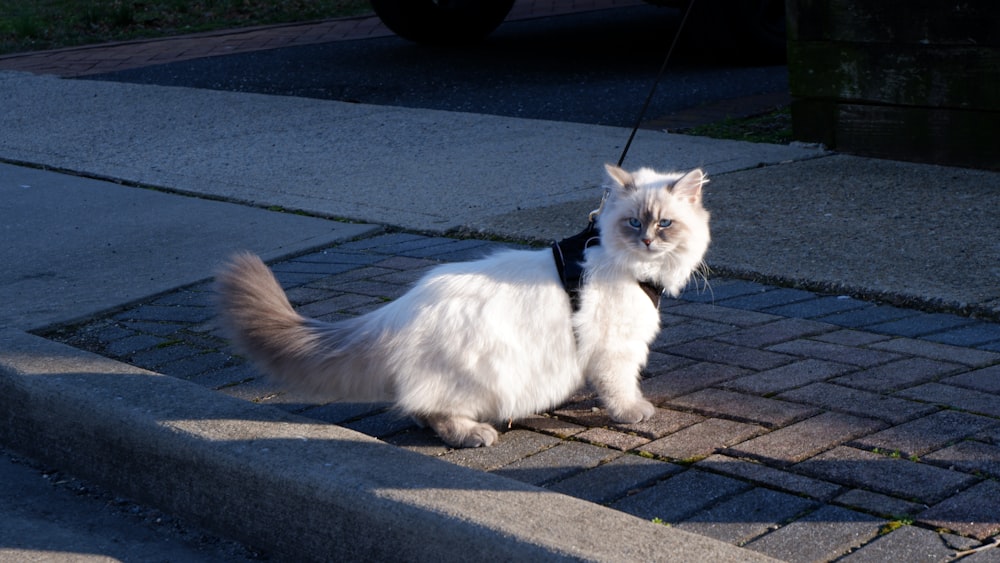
x: 686, y: 378
x: 663, y: 421
x: 703, y: 439
x: 735, y: 317
x: 922, y: 325
x: 790, y: 376
x: 926, y: 434
x: 857, y: 402
x: 820, y: 536
x: 795, y: 437
x: 898, y: 374
x: 849, y: 337
x: 681, y: 497
x: 946, y: 353
x: 887, y: 474
x: 550, y: 425
x: 911, y: 544
x: 969, y: 456
x: 853, y: 355
x: 769, y: 476
x: 819, y: 307
x: 780, y: 330
x: 956, y: 397
x: 615, y: 439
x: 804, y: 439
x: 768, y: 298
x: 881, y: 505
x: 563, y: 460
x: 731, y: 354
x: 869, y: 316
x: 986, y: 379
x: 750, y: 408
x: 971, y: 512
x: 747, y: 516
x: 616, y: 479
x: 521, y: 445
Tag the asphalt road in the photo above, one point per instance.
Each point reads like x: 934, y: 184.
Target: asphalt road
x: 592, y: 67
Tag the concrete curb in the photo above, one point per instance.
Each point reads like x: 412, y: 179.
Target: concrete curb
x: 238, y: 469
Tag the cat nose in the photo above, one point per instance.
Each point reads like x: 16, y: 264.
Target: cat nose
x: 647, y: 241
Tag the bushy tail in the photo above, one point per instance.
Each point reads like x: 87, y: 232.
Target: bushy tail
x: 334, y: 360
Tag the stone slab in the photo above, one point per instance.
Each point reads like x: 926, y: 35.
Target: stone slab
x: 414, y: 168
x: 76, y: 246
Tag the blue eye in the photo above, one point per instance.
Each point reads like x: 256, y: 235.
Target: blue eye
x: 634, y: 223
x: 664, y: 223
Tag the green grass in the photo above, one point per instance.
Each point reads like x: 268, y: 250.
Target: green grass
x: 772, y: 127
x: 894, y: 525
x: 32, y: 25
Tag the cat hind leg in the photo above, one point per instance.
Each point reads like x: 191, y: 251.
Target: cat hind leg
x: 461, y: 431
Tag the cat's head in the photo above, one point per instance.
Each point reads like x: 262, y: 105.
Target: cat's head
x: 656, y: 220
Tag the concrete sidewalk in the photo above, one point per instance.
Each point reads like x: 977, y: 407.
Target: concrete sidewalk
x: 791, y: 424
x: 806, y: 221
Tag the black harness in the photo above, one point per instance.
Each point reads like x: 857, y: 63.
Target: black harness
x: 568, y: 254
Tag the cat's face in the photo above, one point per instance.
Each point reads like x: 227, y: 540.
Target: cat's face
x: 650, y: 215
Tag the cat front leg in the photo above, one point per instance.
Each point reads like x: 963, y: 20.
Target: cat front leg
x: 461, y: 431
x: 627, y: 410
x: 614, y: 374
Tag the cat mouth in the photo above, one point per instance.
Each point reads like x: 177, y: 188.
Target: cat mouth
x: 653, y: 249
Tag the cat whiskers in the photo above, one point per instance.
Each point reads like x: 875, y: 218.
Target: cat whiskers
x: 699, y: 277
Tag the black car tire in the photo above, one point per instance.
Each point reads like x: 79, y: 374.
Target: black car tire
x: 761, y: 25
x: 442, y: 22
x: 748, y: 31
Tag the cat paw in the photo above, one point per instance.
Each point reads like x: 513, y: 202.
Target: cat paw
x: 636, y: 412
x: 481, y: 435
x: 462, y: 432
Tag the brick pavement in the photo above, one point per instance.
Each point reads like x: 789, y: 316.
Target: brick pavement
x: 111, y: 57
x: 804, y: 426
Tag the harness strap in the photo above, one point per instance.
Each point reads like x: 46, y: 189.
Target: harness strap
x: 653, y: 291
x: 568, y: 255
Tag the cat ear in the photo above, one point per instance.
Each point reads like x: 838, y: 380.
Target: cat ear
x: 620, y: 177
x: 689, y: 186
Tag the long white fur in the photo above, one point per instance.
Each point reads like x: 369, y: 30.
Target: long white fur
x: 475, y: 343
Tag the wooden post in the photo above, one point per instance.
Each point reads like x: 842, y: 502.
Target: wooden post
x: 911, y: 80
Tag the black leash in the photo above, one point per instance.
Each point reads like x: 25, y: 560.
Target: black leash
x: 645, y: 106
x: 569, y: 252
x: 656, y: 81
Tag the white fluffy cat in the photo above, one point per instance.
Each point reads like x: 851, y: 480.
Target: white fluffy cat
x: 481, y: 342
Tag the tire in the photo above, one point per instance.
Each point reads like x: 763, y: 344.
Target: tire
x: 761, y: 25
x: 442, y: 22
x: 743, y: 31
